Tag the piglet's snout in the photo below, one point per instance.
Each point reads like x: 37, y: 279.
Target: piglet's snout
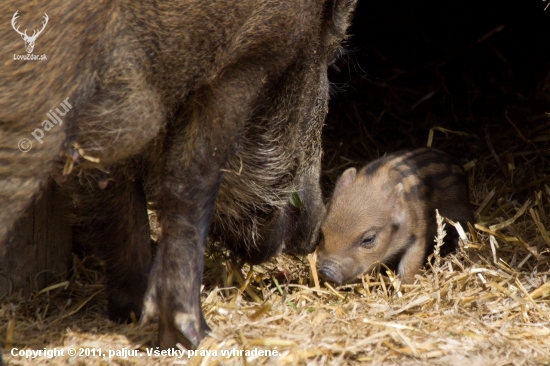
x: 330, y: 271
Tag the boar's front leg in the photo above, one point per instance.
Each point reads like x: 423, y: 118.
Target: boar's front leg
x: 200, y: 146
x: 114, y: 221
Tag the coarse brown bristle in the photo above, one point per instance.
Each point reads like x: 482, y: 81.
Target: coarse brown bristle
x: 489, y: 303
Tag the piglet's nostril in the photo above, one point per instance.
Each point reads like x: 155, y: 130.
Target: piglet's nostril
x: 330, y: 274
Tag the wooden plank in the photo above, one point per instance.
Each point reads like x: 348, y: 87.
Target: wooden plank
x: 38, y: 253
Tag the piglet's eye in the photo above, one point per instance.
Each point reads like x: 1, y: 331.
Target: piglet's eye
x: 368, y: 240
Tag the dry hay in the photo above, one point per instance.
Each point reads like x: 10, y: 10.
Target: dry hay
x: 488, y: 303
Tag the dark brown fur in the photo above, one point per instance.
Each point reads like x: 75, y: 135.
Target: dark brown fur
x: 213, y: 108
x: 385, y: 213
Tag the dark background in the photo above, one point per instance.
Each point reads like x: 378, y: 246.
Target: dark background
x: 477, y: 67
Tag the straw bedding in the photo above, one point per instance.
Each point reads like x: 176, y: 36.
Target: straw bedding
x: 489, y: 303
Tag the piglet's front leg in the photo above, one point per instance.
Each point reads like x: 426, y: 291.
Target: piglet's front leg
x: 412, y: 260
x: 200, y: 145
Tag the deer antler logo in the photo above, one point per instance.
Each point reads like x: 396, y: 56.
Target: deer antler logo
x: 29, y: 41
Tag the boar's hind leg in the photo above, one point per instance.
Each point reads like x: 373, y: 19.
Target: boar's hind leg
x: 202, y: 142
x: 114, y: 221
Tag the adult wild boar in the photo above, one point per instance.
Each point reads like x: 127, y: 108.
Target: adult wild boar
x: 212, y: 110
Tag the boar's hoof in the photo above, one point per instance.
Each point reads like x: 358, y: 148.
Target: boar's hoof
x: 331, y: 275
x: 184, y: 329
x: 175, y: 327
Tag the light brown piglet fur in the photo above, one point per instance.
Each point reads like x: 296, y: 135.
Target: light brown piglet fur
x: 385, y: 213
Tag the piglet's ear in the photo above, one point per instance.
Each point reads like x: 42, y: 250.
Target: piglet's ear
x: 397, y: 202
x: 345, y: 180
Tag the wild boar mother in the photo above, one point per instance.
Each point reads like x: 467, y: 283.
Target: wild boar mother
x: 211, y: 110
